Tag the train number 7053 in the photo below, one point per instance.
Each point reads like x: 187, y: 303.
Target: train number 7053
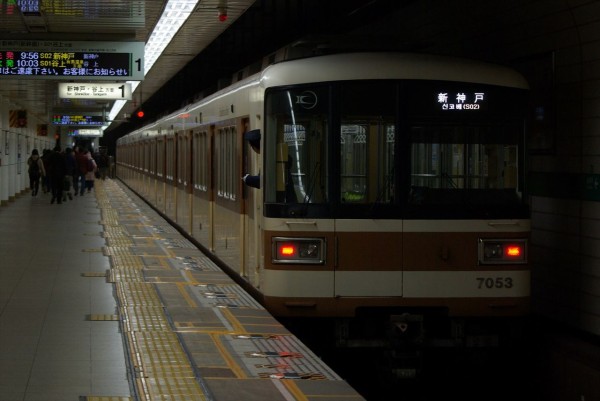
x: 494, y: 282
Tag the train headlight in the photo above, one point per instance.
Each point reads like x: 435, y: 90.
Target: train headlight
x: 502, y: 251
x: 298, y: 250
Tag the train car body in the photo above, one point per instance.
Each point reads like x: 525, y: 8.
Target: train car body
x: 378, y: 182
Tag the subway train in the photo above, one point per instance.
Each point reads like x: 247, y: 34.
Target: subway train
x: 354, y: 186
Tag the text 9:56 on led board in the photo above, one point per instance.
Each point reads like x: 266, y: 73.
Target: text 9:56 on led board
x: 72, y: 60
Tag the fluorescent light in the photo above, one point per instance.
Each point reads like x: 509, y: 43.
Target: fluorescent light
x: 175, y: 14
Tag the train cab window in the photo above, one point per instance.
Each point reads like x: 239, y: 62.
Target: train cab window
x: 367, y: 142
x: 473, y: 166
x: 296, y: 146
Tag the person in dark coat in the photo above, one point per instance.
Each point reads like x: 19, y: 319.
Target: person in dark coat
x: 101, y: 160
x: 36, y: 171
x: 56, y: 173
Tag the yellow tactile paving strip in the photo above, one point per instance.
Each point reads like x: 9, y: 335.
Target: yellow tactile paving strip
x: 125, y: 275
x: 191, y: 333
x: 161, y: 366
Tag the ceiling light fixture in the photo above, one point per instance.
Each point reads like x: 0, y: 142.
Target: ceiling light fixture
x: 175, y: 14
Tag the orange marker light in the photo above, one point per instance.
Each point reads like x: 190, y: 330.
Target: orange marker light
x: 513, y: 250
x: 287, y: 250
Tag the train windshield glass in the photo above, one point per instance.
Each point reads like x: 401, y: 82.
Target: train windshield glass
x: 372, y: 149
x: 367, y: 142
x: 297, y: 122
x: 464, y: 165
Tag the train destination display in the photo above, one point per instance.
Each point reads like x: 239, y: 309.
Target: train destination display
x: 69, y: 60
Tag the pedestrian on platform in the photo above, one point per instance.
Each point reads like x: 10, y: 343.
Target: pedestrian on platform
x: 82, y: 167
x: 101, y: 159
x: 90, y: 175
x: 111, y: 166
x: 56, y: 172
x: 36, y: 171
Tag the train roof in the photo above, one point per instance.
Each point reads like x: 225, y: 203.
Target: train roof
x: 354, y: 66
x: 350, y: 66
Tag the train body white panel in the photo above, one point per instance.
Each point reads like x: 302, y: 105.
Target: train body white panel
x: 297, y: 283
x: 466, y: 284
x: 407, y: 284
x: 371, y: 284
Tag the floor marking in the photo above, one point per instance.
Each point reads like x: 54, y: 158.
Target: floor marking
x: 103, y: 317
x: 94, y: 274
x: 235, y: 368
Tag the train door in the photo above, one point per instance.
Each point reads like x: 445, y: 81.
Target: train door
x: 227, y: 218
x: 368, y: 224
x: 251, y: 209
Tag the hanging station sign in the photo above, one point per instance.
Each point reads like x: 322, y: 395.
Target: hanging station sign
x: 72, y: 60
x: 85, y: 132
x: 99, y: 90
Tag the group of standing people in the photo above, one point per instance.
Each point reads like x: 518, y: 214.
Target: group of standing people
x: 61, y: 172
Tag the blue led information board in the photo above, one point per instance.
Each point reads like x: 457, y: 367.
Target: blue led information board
x: 60, y: 119
x: 70, y: 60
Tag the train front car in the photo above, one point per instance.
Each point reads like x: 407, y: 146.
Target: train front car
x: 394, y: 186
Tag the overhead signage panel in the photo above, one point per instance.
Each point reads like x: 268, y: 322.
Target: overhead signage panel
x: 85, y: 132
x: 108, y: 91
x: 72, y: 60
x: 85, y: 120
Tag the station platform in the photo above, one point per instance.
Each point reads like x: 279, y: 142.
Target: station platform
x: 101, y: 299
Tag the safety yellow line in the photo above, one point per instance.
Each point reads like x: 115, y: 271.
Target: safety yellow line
x: 294, y: 390
x: 235, y: 368
x: 237, y: 327
x: 189, y: 277
x: 182, y: 289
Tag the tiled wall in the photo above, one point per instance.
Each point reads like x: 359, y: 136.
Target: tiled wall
x: 16, y: 144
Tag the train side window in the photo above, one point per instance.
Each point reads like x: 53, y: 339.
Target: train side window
x: 225, y: 150
x: 170, y: 158
x: 182, y: 151
x: 200, y: 161
x: 160, y: 158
